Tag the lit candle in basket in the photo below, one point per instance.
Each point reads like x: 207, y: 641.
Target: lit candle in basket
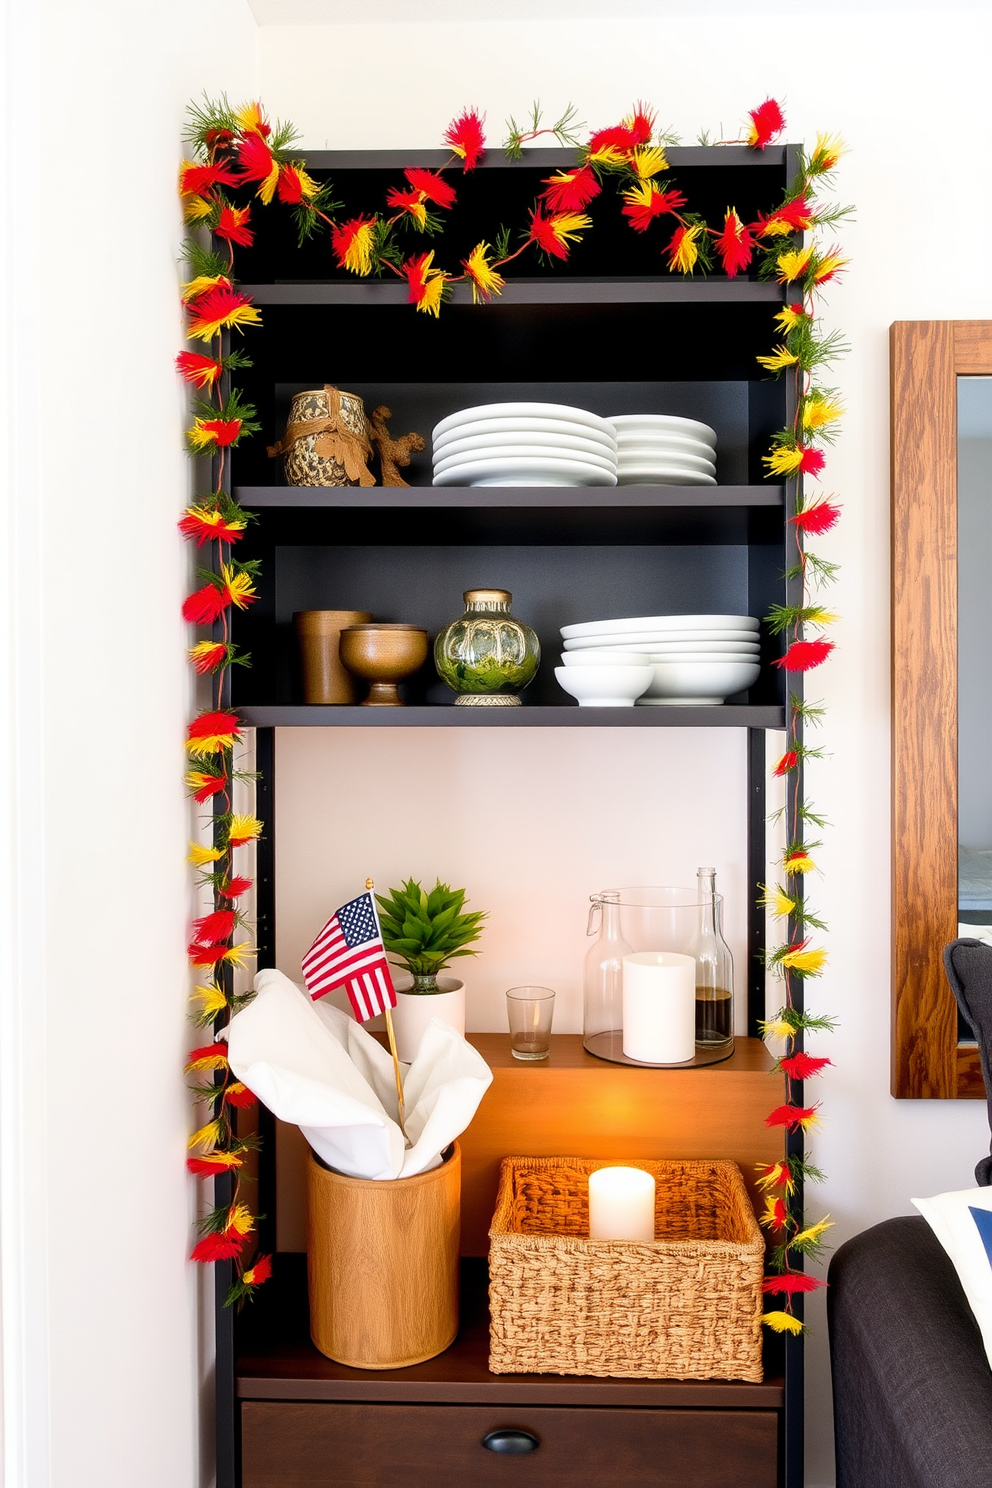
x: 621, y: 1204
x: 659, y: 1007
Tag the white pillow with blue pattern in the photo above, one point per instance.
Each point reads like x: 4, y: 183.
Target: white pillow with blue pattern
x: 962, y: 1222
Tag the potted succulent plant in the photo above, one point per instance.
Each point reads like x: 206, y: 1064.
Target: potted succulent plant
x: 424, y: 932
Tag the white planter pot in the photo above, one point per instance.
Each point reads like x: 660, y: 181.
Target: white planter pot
x: 414, y: 1010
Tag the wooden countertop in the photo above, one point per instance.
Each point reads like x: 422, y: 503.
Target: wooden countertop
x: 277, y: 1361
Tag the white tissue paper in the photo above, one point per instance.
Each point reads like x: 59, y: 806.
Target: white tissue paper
x: 315, y: 1067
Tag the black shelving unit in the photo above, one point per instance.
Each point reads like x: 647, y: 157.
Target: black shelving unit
x: 580, y: 334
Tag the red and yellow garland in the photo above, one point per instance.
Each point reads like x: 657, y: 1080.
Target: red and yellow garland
x: 238, y: 150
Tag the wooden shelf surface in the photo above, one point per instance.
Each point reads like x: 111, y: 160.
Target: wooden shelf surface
x: 277, y: 1361
x: 485, y: 498
x: 750, y: 1056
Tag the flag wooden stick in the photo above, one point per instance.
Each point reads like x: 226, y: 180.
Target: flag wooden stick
x: 396, y: 1070
x: 390, y: 1034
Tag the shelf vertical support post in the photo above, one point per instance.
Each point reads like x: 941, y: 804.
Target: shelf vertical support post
x: 756, y: 809
x: 225, y: 1404
x: 794, y: 1436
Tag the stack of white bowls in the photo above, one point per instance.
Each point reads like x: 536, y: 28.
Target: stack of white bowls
x: 524, y: 444
x: 660, y: 449
x: 694, y: 659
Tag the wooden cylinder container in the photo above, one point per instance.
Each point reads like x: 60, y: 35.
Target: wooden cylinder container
x: 318, y: 632
x: 382, y: 1261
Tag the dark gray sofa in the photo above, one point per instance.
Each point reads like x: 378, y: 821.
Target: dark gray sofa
x: 912, y: 1385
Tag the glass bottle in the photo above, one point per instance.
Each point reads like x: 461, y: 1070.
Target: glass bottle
x: 714, y: 968
x: 603, y: 989
x: 487, y: 656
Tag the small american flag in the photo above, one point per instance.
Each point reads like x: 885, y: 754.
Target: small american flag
x: 349, y: 953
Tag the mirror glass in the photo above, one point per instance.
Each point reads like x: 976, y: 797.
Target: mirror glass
x: 975, y: 657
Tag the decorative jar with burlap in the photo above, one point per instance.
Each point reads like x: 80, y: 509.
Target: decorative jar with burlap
x: 326, y: 442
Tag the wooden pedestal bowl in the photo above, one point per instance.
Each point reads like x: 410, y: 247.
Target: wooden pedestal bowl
x: 383, y: 654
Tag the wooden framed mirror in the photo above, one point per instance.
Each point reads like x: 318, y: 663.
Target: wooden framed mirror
x: 941, y: 688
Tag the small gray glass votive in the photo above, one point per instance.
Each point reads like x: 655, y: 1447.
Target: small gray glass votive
x: 530, y: 1011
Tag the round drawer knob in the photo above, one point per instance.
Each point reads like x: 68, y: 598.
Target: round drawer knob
x: 510, y: 1442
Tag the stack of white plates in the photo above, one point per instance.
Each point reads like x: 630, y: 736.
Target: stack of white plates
x: 524, y: 444
x: 660, y: 449
x: 696, y: 659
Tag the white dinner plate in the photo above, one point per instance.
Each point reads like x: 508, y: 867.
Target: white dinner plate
x: 527, y: 472
x: 660, y: 444
x: 650, y: 435
x: 496, y: 443
x: 638, y: 640
x: 656, y: 658
x: 526, y: 426
x: 510, y: 451
x: 661, y: 421
x: 523, y: 410
x: 526, y: 452
x: 656, y: 475
x: 642, y: 459
x: 655, y: 623
x: 701, y: 649
x: 664, y: 449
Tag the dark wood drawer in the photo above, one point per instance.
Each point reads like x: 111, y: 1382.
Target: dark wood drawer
x: 286, y: 1444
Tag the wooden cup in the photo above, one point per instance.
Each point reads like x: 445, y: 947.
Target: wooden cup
x: 382, y: 1261
x: 318, y: 633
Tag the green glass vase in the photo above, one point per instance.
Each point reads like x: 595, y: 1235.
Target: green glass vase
x: 486, y: 655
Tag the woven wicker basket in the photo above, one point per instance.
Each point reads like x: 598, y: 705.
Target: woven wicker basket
x: 684, y: 1306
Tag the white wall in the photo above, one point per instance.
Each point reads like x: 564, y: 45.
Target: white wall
x: 101, y: 1361
x: 102, y: 1366
x: 908, y: 88
x: 531, y: 821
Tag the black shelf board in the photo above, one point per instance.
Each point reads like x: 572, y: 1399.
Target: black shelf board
x: 557, y: 515
x: 563, y: 715
x: 554, y: 158
x: 484, y: 498
x: 715, y: 291
x: 277, y: 1361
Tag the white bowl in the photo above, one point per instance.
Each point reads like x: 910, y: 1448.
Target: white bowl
x: 526, y: 452
x: 604, y: 686
x: 691, y: 683
x: 664, y: 421
x: 748, y: 658
x: 542, y: 471
x: 658, y: 623
x: 523, y: 410
x: 609, y: 657
x: 503, y: 426
x: 496, y: 444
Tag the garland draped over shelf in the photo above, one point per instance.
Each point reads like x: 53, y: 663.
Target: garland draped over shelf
x: 239, y: 151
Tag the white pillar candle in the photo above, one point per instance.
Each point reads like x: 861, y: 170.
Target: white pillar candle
x: 659, y: 1007
x: 621, y: 1204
